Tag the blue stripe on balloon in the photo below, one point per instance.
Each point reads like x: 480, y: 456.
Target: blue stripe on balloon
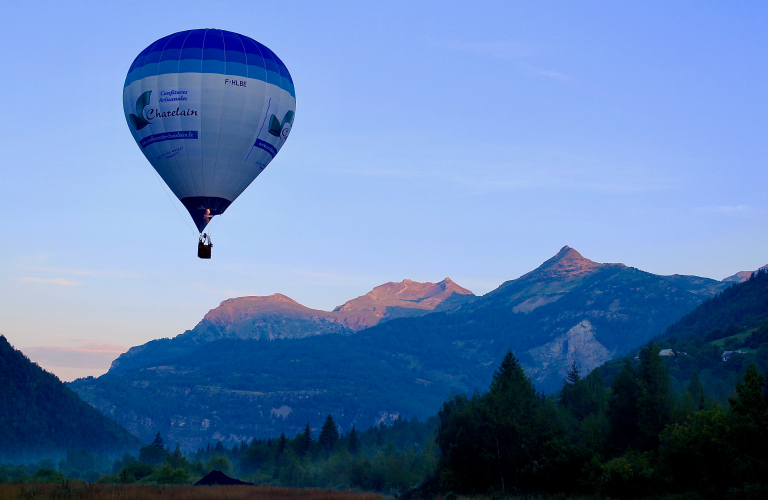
x: 236, y: 69
x: 275, y: 79
x: 235, y: 56
x: 190, y: 66
x: 212, y: 66
x: 166, y: 67
x: 211, y: 51
x: 170, y: 55
x: 213, y: 54
x: 257, y: 72
x: 192, y: 53
x: 149, y: 69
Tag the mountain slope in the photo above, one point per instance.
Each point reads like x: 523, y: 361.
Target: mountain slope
x: 735, y: 320
x: 568, y: 309
x: 40, y: 415
x: 573, y: 309
x: 280, y: 317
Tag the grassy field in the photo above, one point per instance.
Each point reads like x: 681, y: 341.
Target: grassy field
x: 140, y: 492
x: 740, y: 336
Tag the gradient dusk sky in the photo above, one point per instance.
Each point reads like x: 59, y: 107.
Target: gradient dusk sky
x: 432, y: 139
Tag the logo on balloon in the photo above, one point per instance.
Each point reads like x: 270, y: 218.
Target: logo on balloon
x: 139, y: 122
x: 281, y: 128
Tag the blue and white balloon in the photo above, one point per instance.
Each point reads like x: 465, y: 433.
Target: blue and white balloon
x: 209, y: 109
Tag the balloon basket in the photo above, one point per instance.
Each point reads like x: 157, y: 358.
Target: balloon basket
x: 204, y: 251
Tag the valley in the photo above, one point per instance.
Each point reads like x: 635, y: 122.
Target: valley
x: 258, y: 366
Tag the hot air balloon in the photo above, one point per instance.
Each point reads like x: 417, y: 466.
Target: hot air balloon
x: 210, y: 109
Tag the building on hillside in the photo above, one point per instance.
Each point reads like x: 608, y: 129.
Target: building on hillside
x: 726, y: 355
x: 667, y: 352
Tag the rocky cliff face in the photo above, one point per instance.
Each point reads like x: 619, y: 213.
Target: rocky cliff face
x: 577, y: 345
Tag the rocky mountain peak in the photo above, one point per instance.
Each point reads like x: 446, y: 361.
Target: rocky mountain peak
x: 233, y: 310
x: 567, y: 264
x: 393, y: 299
x: 742, y: 276
x: 406, y: 293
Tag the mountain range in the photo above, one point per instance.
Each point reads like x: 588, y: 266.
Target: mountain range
x: 256, y: 366
x: 279, y: 317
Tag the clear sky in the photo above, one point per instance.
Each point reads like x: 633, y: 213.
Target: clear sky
x: 432, y: 139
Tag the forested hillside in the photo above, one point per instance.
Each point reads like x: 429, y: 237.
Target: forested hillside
x: 734, y: 324
x: 40, y: 416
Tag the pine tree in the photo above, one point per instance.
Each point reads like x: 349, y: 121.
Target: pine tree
x: 303, y: 441
x: 329, y: 434
x: 569, y: 394
x: 153, y: 453
x: 177, y: 458
x: 282, y: 441
x: 623, y: 412
x: 509, y: 408
x: 219, y: 448
x: 695, y: 392
x: 158, y: 442
x: 655, y: 400
x: 354, y: 441
x: 573, y: 374
x: 750, y: 402
x: 749, y: 425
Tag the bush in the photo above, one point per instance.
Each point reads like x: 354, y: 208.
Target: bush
x: 47, y: 475
x: 627, y: 476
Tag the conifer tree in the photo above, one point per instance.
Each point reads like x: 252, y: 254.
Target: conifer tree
x: 281, y: 443
x: 695, y: 392
x: 569, y: 393
x: 219, y: 448
x: 623, y: 409
x: 354, y: 441
x: 329, y: 434
x: 177, y: 458
x: 153, y: 453
x: 158, y: 442
x: 655, y: 399
x: 574, y: 374
x: 303, y: 441
x: 510, y: 408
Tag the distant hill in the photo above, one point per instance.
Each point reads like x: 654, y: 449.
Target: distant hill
x: 280, y: 317
x: 742, y: 276
x: 40, y: 416
x: 569, y: 308
x: 734, y: 321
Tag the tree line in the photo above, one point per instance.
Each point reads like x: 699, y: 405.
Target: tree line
x: 634, y: 439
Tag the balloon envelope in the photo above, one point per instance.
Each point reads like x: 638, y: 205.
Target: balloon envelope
x: 209, y: 109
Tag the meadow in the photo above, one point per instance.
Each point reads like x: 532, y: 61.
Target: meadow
x: 91, y: 491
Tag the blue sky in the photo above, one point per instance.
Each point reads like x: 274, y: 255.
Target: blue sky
x: 432, y: 139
